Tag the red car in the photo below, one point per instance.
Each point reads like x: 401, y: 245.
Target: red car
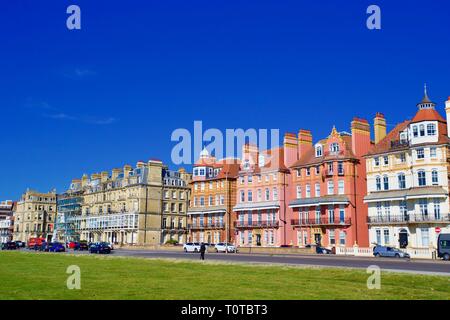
x: 72, y: 245
x: 35, y: 242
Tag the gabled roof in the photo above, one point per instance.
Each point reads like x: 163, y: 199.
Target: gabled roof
x: 309, y: 158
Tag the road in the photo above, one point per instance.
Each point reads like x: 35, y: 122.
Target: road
x: 386, y: 264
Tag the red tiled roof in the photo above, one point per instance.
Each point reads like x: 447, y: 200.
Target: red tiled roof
x: 309, y: 158
x: 427, y: 115
x: 385, y: 144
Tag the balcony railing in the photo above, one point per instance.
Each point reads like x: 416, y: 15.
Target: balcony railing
x: 409, y: 219
x: 330, y: 173
x: 399, y: 144
x: 256, y: 224
x: 173, y: 228
x: 206, y: 226
x: 323, y: 221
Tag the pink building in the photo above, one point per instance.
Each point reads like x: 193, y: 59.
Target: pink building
x: 262, y: 215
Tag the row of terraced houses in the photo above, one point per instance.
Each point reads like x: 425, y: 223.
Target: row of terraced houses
x: 345, y: 190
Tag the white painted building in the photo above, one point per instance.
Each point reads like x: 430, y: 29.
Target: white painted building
x: 408, y: 180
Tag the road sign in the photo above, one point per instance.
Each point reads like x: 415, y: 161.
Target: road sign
x: 437, y: 229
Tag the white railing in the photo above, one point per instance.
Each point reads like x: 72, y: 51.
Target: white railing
x: 354, y: 251
x: 415, y: 253
x: 421, y: 253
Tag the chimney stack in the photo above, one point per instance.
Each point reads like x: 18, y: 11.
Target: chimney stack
x: 104, y: 176
x: 379, y: 127
x: 84, y: 180
x: 360, y: 137
x: 126, y: 170
x: 115, y: 173
x: 290, y: 149
x: 305, y: 142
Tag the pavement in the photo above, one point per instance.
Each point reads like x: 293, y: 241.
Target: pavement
x: 434, y: 267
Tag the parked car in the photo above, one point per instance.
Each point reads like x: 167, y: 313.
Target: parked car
x: 20, y: 244
x: 55, y: 247
x: 72, y: 245
x: 109, y: 245
x: 225, y: 247
x: 322, y: 250
x: 443, y: 250
x: 191, y: 247
x: 383, y: 251
x: 100, y: 248
x: 43, y: 247
x: 35, y: 243
x: 81, y: 246
x: 10, y: 245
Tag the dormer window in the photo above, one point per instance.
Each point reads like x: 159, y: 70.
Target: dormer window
x: 334, y: 147
x: 246, y: 165
x: 319, y: 151
x: 262, y: 161
x: 403, y: 137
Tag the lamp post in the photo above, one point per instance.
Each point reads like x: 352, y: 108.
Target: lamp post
x: 226, y: 213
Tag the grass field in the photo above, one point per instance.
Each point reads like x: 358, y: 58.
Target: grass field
x: 43, y: 276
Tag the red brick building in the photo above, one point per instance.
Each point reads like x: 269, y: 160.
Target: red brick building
x: 328, y: 188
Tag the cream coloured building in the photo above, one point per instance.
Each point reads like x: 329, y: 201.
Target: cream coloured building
x: 408, y: 180
x: 34, y: 216
x: 176, y: 191
x: 131, y: 206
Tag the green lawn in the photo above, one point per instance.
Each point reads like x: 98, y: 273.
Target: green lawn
x: 43, y: 276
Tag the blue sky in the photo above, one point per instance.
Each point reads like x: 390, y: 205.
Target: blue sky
x: 112, y: 93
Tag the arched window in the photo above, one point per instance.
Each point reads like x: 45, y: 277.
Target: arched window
x: 319, y: 151
x: 334, y: 147
x: 378, y: 183
x: 386, y: 182
x: 434, y: 177
x: 422, y: 130
x: 401, y: 181
x: 421, y: 178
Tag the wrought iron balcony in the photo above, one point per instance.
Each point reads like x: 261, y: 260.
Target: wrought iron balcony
x: 323, y: 221
x: 174, y: 228
x: 256, y: 224
x: 409, y: 219
x: 399, y: 144
x: 206, y: 226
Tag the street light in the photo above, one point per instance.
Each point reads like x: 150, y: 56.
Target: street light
x: 227, y: 216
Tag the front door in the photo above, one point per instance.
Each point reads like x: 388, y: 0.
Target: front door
x: 258, y: 240
x: 403, y: 239
x: 318, y: 238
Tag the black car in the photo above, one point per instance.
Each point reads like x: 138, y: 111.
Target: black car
x: 444, y: 246
x: 322, y: 250
x: 101, y: 248
x: 81, y: 246
x: 20, y: 244
x: 9, y: 246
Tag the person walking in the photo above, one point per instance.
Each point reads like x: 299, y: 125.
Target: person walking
x: 202, y: 251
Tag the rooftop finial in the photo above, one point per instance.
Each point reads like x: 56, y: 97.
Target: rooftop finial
x: 426, y: 102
